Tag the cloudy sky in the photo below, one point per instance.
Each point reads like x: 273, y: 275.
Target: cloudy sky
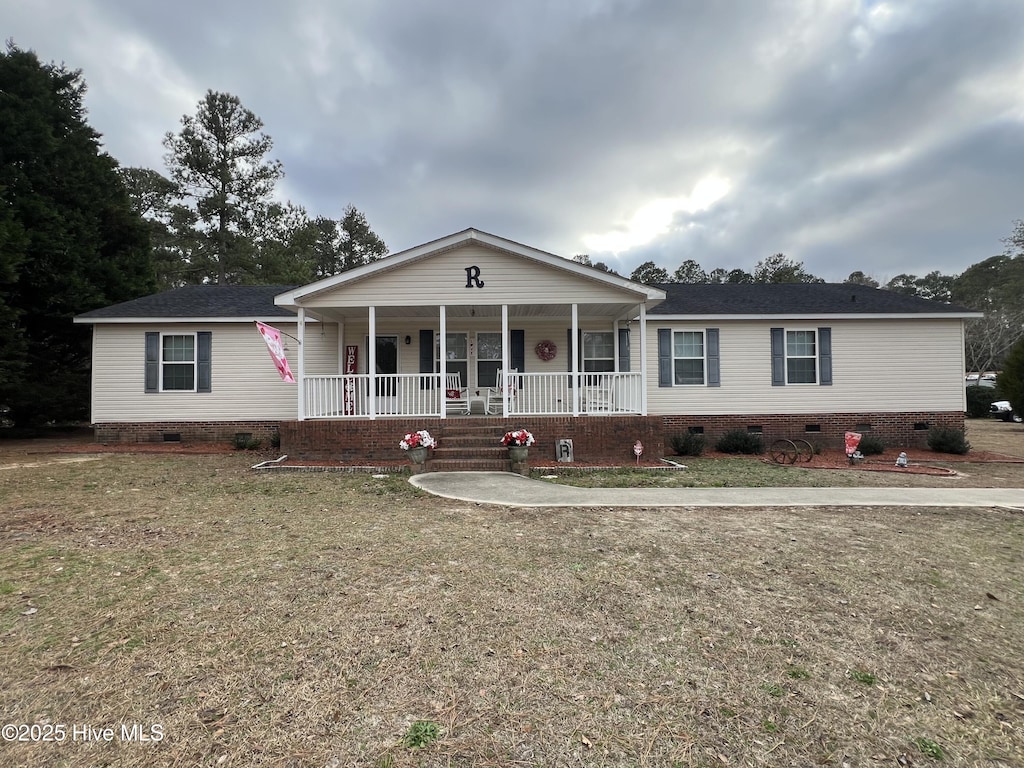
x: 885, y: 137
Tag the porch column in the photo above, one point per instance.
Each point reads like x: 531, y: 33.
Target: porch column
x: 371, y: 362
x: 506, y: 361
x: 643, y: 359
x: 575, y: 340
x: 300, y: 395
x: 442, y: 323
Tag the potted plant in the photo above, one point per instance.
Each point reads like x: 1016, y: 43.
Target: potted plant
x: 416, y: 445
x: 518, y: 442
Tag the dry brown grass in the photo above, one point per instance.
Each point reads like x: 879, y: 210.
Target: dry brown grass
x: 310, y: 619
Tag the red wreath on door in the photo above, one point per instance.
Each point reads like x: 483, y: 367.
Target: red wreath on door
x: 546, y: 350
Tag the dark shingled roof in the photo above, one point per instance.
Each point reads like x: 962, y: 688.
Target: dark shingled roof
x: 682, y: 299
x: 791, y: 299
x: 201, y: 301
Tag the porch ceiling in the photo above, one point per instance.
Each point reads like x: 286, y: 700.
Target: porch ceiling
x: 486, y: 310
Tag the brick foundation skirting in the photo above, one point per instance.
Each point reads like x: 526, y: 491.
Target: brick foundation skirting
x: 607, y: 438
x: 186, y: 431
x: 826, y: 430
x: 595, y: 438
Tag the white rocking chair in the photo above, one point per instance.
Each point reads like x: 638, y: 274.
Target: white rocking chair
x: 494, y: 402
x: 456, y: 398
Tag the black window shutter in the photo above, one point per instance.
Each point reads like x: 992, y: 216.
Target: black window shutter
x: 778, y: 357
x: 624, y: 350
x: 152, y: 361
x: 517, y: 353
x: 825, y: 356
x: 714, y: 367
x: 204, y: 344
x: 426, y: 357
x: 664, y: 357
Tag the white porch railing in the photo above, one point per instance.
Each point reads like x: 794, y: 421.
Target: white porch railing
x: 348, y: 396
x: 549, y: 394
x: 420, y: 394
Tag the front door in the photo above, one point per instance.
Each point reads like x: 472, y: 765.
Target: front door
x: 387, y: 363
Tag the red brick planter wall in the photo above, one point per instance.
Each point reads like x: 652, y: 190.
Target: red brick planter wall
x: 190, y: 431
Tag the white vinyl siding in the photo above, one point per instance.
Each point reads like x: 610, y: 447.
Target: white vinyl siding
x: 245, y: 383
x: 886, y: 365
x: 441, y: 279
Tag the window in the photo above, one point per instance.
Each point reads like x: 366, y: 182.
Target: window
x: 488, y: 359
x: 456, y: 356
x: 801, y: 357
x: 598, y: 351
x: 688, y: 357
x: 178, y: 362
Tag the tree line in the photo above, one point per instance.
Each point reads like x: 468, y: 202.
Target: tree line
x: 79, y: 232
x: 213, y: 217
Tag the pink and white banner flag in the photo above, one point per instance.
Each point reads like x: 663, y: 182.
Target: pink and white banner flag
x: 273, y: 338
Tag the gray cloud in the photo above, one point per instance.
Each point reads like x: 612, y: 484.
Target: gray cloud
x: 853, y: 134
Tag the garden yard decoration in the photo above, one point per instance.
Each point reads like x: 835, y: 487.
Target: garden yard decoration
x: 638, y: 449
x: 518, y: 442
x: 416, y: 445
x: 852, y: 441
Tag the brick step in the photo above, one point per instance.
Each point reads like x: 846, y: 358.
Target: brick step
x: 449, y: 448
x: 469, y: 465
x: 470, y: 441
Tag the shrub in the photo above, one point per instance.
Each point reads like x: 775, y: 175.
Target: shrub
x: 740, y: 441
x: 871, y: 446
x: 243, y: 441
x: 948, y: 440
x: 979, y: 401
x: 687, y: 444
x: 275, y: 439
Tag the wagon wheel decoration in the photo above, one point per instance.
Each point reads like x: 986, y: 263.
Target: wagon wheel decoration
x: 785, y: 451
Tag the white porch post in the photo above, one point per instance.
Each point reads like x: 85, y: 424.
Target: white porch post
x: 643, y: 359
x: 575, y: 359
x: 442, y: 324
x: 301, y: 393
x: 371, y: 362
x: 505, y: 360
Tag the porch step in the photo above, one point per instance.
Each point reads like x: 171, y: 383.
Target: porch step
x: 469, y: 465
x: 468, y: 447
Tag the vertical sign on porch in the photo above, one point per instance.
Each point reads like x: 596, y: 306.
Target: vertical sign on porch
x: 349, y: 390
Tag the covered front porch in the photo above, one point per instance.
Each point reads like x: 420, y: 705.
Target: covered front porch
x: 474, y: 361
x: 472, y: 324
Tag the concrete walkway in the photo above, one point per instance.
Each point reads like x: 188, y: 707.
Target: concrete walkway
x: 509, y: 489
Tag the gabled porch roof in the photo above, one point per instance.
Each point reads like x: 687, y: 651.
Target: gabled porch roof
x: 472, y: 272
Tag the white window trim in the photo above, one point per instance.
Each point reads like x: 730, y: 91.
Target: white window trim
x: 786, y: 357
x: 194, y: 363
x: 703, y: 358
